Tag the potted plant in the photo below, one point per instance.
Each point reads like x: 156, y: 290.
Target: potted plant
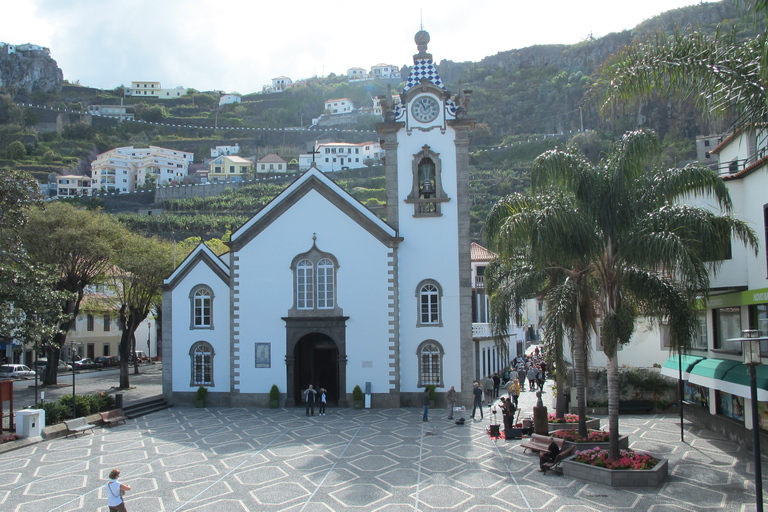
x: 357, y: 398
x: 202, y: 392
x: 432, y: 395
x: 274, y: 397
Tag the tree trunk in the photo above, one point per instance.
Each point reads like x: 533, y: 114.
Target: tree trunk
x: 579, y: 369
x: 133, y: 351
x: 612, y: 371
x: 561, y: 392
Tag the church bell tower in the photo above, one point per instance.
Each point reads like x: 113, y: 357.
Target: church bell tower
x: 426, y: 138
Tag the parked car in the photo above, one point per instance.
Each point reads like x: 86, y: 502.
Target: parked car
x: 15, y: 371
x: 107, y: 361
x: 140, y: 356
x: 43, y: 362
x: 86, y: 364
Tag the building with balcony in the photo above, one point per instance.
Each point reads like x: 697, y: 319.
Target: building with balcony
x: 229, y: 168
x: 73, y: 186
x: 337, y: 156
x: 128, y: 168
x: 339, y: 106
x: 154, y: 90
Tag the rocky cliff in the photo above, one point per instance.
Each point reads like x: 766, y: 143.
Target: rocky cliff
x: 32, y: 71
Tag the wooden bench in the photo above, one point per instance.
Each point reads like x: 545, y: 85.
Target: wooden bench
x: 555, y: 465
x: 112, y: 417
x: 635, y: 406
x: 540, y: 443
x: 78, y: 425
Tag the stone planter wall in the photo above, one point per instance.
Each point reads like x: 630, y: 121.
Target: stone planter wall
x: 593, y: 424
x: 617, y: 477
x: 623, y: 445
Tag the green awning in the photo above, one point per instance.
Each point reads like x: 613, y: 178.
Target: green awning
x: 736, y: 382
x: 670, y: 366
x: 710, y: 372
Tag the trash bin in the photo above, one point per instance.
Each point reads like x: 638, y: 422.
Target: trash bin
x: 30, y: 422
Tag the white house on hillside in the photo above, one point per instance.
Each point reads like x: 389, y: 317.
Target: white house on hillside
x: 339, y: 106
x: 271, y: 163
x: 126, y: 169
x: 73, y: 186
x: 385, y: 71
x: 154, y: 90
x: 337, y: 156
x: 225, y: 150
x: 226, y: 99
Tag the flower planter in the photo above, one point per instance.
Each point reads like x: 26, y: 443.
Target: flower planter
x: 593, y: 424
x: 623, y: 444
x: 617, y: 477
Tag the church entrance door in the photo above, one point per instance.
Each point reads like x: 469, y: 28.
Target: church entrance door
x: 317, y: 363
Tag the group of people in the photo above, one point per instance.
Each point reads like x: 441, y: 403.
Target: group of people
x: 310, y: 397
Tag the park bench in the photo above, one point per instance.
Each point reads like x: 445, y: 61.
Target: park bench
x: 635, y: 406
x: 540, y: 443
x: 78, y: 425
x: 555, y: 465
x: 112, y: 417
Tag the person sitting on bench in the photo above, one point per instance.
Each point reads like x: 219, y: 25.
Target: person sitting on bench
x: 548, y: 456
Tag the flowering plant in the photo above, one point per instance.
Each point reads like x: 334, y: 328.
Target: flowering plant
x: 568, y: 418
x: 8, y: 439
x: 628, y: 459
x: 593, y: 436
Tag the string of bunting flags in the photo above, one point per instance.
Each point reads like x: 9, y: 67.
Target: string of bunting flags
x: 170, y: 125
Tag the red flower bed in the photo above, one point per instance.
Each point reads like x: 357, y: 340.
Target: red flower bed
x: 628, y: 459
x: 593, y: 436
x: 8, y: 439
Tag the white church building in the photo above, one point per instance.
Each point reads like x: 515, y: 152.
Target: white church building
x: 316, y: 289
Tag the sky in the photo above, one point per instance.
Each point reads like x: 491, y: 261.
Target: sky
x: 240, y: 45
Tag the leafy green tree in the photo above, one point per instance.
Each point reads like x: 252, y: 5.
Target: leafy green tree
x: 16, y: 150
x: 30, y: 310
x: 141, y: 264
x: 644, y: 251
x: 80, y: 246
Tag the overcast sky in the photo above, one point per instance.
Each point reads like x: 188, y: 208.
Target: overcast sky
x: 240, y: 45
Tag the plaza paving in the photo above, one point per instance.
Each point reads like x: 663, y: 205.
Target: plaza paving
x: 222, y: 459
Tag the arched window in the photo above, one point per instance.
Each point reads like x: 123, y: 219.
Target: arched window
x: 427, y: 189
x: 202, y: 307
x: 315, y: 283
x: 429, y: 293
x: 305, y: 287
x: 201, y: 355
x: 325, y: 285
x: 430, y: 355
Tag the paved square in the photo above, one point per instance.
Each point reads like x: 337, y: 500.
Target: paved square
x: 222, y: 459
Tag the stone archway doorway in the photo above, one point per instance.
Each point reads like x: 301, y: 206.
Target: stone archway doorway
x: 316, y: 357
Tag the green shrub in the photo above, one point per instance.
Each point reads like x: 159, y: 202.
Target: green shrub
x: 202, y: 392
x: 274, y: 393
x: 357, y: 394
x: 431, y: 388
x: 55, y: 412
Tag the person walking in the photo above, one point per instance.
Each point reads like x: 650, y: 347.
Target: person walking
x: 425, y: 403
x: 115, y: 491
x: 323, y: 399
x: 488, y: 388
x: 477, y: 393
x: 451, y: 399
x: 521, y: 376
x: 496, y: 384
x: 532, y: 378
x: 309, y: 398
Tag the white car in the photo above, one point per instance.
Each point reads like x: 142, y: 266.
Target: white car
x: 15, y: 371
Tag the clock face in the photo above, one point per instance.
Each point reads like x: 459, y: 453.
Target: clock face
x: 425, y: 109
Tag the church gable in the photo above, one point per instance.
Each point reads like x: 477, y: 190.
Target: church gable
x: 200, y: 255
x: 314, y: 180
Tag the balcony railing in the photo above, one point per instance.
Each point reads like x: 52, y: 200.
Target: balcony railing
x: 481, y: 330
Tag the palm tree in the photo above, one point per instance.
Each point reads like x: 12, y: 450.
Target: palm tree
x: 724, y: 76
x: 645, y: 252
x: 540, y: 257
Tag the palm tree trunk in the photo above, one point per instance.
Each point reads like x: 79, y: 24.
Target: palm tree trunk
x: 612, y: 370
x: 579, y: 369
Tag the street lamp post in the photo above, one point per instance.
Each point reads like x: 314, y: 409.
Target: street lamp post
x: 750, y: 344
x: 74, y: 405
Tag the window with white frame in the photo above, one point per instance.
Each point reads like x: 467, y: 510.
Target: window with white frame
x: 305, y: 288
x: 202, y: 307
x: 429, y: 295
x: 325, y: 288
x: 201, y: 355
x: 315, y: 281
x: 430, y: 354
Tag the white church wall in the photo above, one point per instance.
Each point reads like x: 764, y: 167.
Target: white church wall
x: 184, y: 337
x: 362, y: 289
